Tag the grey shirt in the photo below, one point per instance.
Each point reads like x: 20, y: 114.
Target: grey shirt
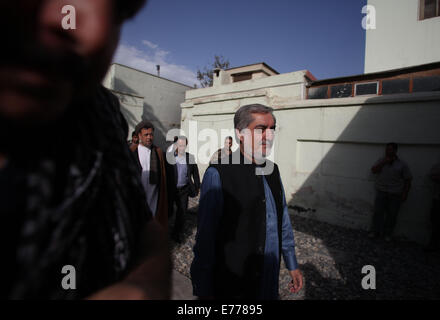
x: 392, y: 177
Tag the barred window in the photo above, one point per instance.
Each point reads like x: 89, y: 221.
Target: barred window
x: 429, y: 9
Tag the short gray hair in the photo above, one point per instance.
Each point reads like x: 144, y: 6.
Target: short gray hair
x: 243, y: 117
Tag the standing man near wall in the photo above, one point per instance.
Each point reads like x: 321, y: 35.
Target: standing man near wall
x: 392, y: 186
x: 151, y: 165
x: 71, y: 195
x: 434, y: 243
x: 183, y: 182
x: 134, y: 142
x: 223, y: 152
x: 243, y: 223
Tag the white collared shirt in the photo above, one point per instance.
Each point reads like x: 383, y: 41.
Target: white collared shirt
x: 151, y: 190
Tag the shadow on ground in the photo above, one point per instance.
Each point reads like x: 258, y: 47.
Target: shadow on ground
x: 331, y: 259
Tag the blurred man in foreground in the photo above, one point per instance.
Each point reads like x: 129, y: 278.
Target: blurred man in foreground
x: 70, y: 194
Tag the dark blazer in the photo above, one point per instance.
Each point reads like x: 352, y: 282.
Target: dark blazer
x: 192, y: 174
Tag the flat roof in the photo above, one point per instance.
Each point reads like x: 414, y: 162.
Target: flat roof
x: 254, y: 64
x: 375, y: 75
x: 154, y: 75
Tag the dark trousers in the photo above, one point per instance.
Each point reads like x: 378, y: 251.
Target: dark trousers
x: 435, y: 220
x: 181, y: 200
x: 386, y: 208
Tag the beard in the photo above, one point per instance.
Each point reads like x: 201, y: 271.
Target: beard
x: 37, y: 83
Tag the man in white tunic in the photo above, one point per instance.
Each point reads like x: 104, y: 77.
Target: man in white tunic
x: 144, y: 154
x: 152, y: 167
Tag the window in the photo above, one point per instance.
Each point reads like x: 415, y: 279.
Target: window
x: 430, y: 83
x: 318, y: 93
x: 341, y: 91
x: 241, y: 76
x: 366, y: 88
x: 395, y: 86
x: 429, y: 9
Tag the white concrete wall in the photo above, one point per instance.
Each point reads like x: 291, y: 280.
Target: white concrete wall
x: 400, y: 39
x: 132, y: 107
x: 213, y: 107
x: 146, y: 96
x: 325, y: 148
x: 334, y: 143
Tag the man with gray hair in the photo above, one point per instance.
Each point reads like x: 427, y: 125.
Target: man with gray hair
x: 243, y: 221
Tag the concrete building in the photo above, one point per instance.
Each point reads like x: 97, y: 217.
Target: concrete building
x: 147, y: 96
x: 253, y: 71
x: 329, y: 133
x: 406, y: 34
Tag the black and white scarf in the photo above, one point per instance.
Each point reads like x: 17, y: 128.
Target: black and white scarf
x: 83, y: 200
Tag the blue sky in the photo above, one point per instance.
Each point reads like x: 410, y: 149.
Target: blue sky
x: 322, y: 36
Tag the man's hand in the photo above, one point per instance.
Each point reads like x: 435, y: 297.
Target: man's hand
x: 297, y: 281
x: 406, y: 190
x: 151, y: 277
x: 378, y: 167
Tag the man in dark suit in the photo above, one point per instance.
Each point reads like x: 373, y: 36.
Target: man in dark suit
x: 183, y: 182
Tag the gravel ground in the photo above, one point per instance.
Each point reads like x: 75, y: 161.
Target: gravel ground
x: 331, y: 259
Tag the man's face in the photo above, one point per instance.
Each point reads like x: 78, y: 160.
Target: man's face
x: 146, y: 137
x: 390, y: 152
x: 181, y: 146
x: 228, y: 144
x: 258, y: 137
x: 135, y: 139
x: 44, y: 66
